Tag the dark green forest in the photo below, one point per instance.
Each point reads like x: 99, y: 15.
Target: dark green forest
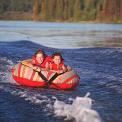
x: 62, y: 10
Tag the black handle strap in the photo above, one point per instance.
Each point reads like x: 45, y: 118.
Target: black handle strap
x: 53, y: 78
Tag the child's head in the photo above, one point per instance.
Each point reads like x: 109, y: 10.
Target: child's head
x: 57, y: 58
x: 40, y: 56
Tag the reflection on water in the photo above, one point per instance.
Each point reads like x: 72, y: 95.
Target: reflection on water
x: 63, y: 35
x: 112, y: 42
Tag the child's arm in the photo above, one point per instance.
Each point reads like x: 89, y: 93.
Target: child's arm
x: 51, y: 69
x: 30, y: 63
x: 63, y: 70
x: 47, y: 67
x: 69, y: 68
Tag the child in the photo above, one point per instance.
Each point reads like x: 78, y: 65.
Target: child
x: 40, y: 61
x: 57, y: 64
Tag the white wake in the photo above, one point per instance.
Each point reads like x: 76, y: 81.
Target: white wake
x: 80, y: 110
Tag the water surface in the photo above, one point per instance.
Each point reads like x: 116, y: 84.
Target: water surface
x: 94, y: 51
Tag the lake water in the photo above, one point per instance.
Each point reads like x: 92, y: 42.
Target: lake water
x: 94, y: 51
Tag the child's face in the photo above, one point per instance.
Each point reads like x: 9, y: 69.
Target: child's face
x: 40, y: 58
x: 57, y: 60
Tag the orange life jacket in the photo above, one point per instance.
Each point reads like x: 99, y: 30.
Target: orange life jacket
x: 43, y: 64
x: 57, y: 67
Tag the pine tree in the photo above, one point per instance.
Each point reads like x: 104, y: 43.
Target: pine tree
x: 43, y: 9
x: 36, y: 10
x: 65, y: 12
x: 59, y: 9
x: 77, y: 10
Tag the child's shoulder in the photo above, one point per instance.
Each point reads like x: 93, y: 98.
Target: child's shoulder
x: 48, y: 59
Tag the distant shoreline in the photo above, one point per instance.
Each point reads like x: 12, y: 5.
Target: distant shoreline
x: 27, y: 16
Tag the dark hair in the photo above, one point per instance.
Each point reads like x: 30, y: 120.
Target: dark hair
x: 40, y: 52
x: 57, y: 54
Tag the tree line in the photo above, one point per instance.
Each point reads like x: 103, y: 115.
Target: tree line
x: 66, y: 10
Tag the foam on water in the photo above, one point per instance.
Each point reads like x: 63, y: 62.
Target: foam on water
x: 80, y: 110
x: 5, y: 71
